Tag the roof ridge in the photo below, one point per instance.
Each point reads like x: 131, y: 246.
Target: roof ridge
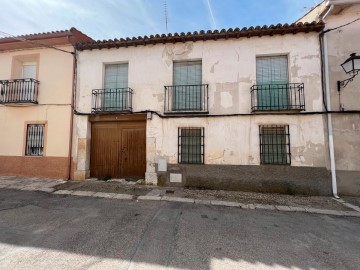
x: 204, y: 35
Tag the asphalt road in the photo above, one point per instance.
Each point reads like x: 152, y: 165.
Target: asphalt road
x: 47, y: 231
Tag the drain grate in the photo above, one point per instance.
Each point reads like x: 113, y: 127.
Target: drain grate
x: 170, y: 192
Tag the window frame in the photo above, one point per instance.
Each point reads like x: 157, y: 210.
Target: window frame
x: 201, y: 154
x: 284, y: 155
x: 26, y: 124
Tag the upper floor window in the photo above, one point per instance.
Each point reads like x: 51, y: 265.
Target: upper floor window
x: 116, y: 96
x: 273, y: 90
x: 187, y: 94
x: 29, y: 70
x: 272, y: 79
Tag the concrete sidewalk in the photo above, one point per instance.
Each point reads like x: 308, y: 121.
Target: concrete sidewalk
x: 150, y: 193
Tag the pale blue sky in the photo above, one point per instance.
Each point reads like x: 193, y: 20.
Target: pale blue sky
x: 105, y: 19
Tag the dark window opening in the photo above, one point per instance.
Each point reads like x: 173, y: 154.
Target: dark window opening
x: 275, y: 145
x: 35, y: 140
x: 191, y: 145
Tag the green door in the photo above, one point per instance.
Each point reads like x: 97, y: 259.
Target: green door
x: 272, y: 82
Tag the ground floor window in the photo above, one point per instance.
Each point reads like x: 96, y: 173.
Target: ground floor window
x: 191, y: 145
x: 34, y: 140
x: 274, y: 144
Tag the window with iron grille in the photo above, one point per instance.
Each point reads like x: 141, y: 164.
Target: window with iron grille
x: 275, y: 144
x: 187, y: 91
x: 191, y: 145
x: 34, y: 140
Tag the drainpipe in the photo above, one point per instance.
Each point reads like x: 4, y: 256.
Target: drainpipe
x: 329, y: 116
x: 72, y: 114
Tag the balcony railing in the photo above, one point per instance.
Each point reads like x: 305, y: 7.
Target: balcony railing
x: 277, y: 97
x: 186, y: 99
x: 19, y: 91
x: 112, y: 100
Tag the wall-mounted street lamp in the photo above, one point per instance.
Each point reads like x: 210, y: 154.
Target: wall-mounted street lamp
x: 351, y: 67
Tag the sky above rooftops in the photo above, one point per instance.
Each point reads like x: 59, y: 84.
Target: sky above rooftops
x: 109, y: 19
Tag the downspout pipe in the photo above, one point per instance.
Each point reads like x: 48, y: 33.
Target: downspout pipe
x: 329, y: 115
x: 72, y: 114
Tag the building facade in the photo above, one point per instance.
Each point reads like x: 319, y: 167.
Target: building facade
x: 36, y: 86
x: 237, y: 109
x: 341, y: 38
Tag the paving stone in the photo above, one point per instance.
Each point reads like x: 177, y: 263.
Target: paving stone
x: 123, y: 197
x: 177, y: 199
x: 15, y: 187
x: 83, y: 193
x: 283, y: 208
x: 156, y: 192
x: 351, y: 213
x: 265, y: 206
x: 205, y: 202
x: 297, y: 209
x: 49, y: 190
x: 30, y: 188
x: 64, y: 192
x: 149, y: 198
x: 225, y: 203
x: 324, y: 211
x: 356, y: 208
x: 104, y: 195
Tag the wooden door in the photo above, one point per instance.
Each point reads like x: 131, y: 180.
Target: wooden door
x: 118, y: 149
x: 133, y: 152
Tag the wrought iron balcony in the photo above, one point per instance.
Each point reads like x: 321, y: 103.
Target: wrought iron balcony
x: 112, y: 100
x: 186, y: 99
x: 19, y: 91
x: 277, y: 97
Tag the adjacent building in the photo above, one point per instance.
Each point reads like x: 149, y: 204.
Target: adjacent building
x: 36, y: 93
x: 236, y: 109
x: 340, y: 38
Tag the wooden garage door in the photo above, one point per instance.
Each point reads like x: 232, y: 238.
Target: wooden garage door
x: 118, y: 149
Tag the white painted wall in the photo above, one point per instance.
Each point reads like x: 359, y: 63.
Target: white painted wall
x: 229, y: 67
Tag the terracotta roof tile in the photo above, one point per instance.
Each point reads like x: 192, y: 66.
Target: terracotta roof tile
x: 265, y: 30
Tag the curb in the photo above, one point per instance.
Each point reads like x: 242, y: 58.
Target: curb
x: 267, y: 207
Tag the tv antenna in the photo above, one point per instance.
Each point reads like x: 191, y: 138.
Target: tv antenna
x: 166, y: 16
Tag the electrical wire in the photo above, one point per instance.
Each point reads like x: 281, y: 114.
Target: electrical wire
x: 32, y: 42
x: 346, y: 24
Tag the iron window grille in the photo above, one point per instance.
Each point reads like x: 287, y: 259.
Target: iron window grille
x: 191, y: 145
x: 186, y: 98
x: 277, y: 97
x: 112, y: 100
x: 19, y: 91
x: 35, y: 140
x: 275, y: 144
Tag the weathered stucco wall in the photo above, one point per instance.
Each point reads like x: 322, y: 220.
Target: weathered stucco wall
x: 229, y: 67
x: 55, y: 73
x: 341, y: 43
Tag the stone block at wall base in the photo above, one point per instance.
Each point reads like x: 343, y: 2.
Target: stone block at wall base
x: 254, y: 178
x: 348, y: 182
x: 81, y: 175
x: 151, y: 178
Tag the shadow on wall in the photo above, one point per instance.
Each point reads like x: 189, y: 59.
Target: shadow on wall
x: 93, y: 233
